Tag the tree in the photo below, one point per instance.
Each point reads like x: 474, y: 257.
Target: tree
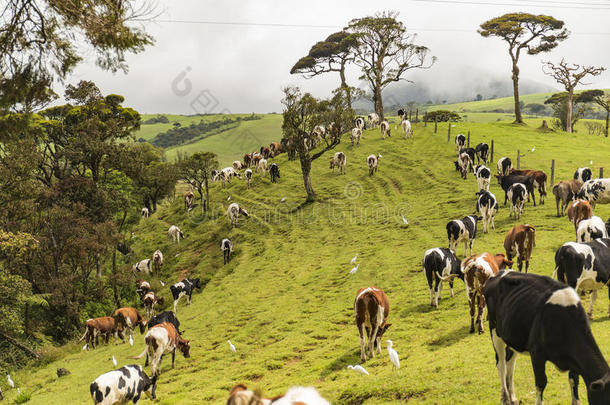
x: 330, y: 55
x: 385, y: 52
x: 524, y: 32
x: 600, y: 98
x: 570, y: 77
x: 559, y: 105
x: 197, y: 170
x: 535, y: 108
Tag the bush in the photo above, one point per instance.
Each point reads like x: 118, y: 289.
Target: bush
x: 159, y: 119
x: 23, y: 398
x: 442, y: 116
x: 595, y: 128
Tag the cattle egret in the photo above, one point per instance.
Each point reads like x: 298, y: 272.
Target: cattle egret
x: 229, y: 198
x: 19, y: 391
x: 404, y: 220
x: 354, y: 259
x: 190, y: 208
x: 590, y: 162
x: 355, y: 269
x: 533, y: 149
x: 162, y: 283
x: 114, y: 361
x: 283, y: 199
x: 10, y: 381
x: 359, y: 369
x: 85, y: 346
x: 393, y: 355
x: 231, y: 346
x: 379, y: 156
x: 130, y: 340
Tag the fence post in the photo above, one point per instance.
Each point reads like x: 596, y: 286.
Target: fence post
x: 492, y: 150
x: 425, y: 119
x: 601, y: 172
x: 468, y: 141
x: 435, y: 124
x: 552, y: 172
x: 518, y: 159
x: 449, y: 131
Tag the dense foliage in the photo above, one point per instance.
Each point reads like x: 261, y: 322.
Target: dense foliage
x: 442, y: 116
x: 159, y: 119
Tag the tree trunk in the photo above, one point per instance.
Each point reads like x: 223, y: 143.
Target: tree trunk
x: 305, y: 168
x: 379, y: 101
x: 207, y: 195
x: 348, y: 93
x: 515, y: 77
x: 98, y: 265
x: 311, y: 194
x: 569, y: 112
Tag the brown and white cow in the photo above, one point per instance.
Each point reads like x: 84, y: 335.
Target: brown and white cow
x: 127, y: 319
x: 464, y: 163
x: 373, y: 162
x: 539, y: 178
x: 276, y: 148
x: 104, y: 326
x: 247, y: 160
x: 157, y: 261
x: 565, y: 191
x: 143, y: 287
x: 371, y: 308
x: 241, y: 395
x: 579, y: 210
x: 519, y: 242
x: 477, y: 270
x: 161, y: 339
x: 189, y: 197
x: 150, y: 300
x: 338, y: 160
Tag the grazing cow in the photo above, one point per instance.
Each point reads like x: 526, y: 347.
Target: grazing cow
x: 157, y: 261
x: 402, y: 114
x: 359, y: 123
x: 143, y: 266
x: 274, y: 172
x: 127, y: 384
x: 127, y: 319
x: 338, y: 160
x: 94, y: 328
x: 539, y: 178
x: 356, y: 134
x: 234, y: 211
x: 266, y: 152
x: 406, y: 128
x: 248, y: 176
x: 519, y: 242
x: 237, y: 165
x: 149, y: 300
x: 565, y: 191
x: 175, y: 233
x: 373, y: 119
x: 372, y: 161
x: 471, y: 153
x: 507, y: 181
x: 595, y: 191
x: 579, y: 210
x: 535, y: 314
x: 482, y: 151
x: 261, y: 166
x: 465, y: 164
x: 371, y: 308
x: 319, y: 131
x: 440, y: 264
x: 247, y: 160
x: 143, y: 287
x: 477, y: 270
x: 504, y: 166
x: 227, y: 248
x: 184, y: 288
x: 591, y: 228
x: 189, y: 197
x: 167, y: 316
x: 227, y: 174
x: 460, y: 141
x: 483, y: 176
x: 385, y: 129
x: 517, y: 194
x: 584, y: 266
x: 487, y: 207
x: 276, y: 148
x: 161, y: 339
x: 462, y: 230
x: 144, y: 212
x: 241, y: 395
x: 583, y: 174
x: 215, y: 174
x: 255, y: 159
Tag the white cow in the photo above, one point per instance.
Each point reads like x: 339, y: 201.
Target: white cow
x: 356, y: 134
x: 234, y: 211
x: 261, y: 166
x: 175, y: 233
x: 338, y: 160
x: 122, y: 386
x: 406, y: 128
x: 162, y: 339
x: 385, y: 129
x: 145, y: 212
x: 248, y: 176
x: 143, y: 266
x: 589, y: 229
x: 373, y: 119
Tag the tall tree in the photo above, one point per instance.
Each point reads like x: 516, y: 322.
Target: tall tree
x: 385, y: 52
x: 197, y: 170
x: 331, y: 55
x: 525, y: 32
x: 570, y: 76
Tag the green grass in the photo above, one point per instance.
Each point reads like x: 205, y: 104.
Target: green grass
x: 286, y: 299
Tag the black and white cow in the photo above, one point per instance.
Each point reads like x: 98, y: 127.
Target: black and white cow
x: 274, y: 172
x: 122, y: 386
x: 359, y: 122
x: 595, y: 191
x: 462, y: 230
x: 591, y: 228
x: 583, y: 174
x: 487, y: 207
x: 227, y: 248
x: 482, y: 151
x: 460, y: 141
x: 464, y: 163
x: 143, y: 266
x: 517, y: 194
x: 483, y: 176
x: 504, y: 166
x: 584, y: 266
x: 535, y: 314
x: 440, y: 264
x: 167, y: 316
x: 184, y: 288
x: 470, y: 152
x: 507, y: 181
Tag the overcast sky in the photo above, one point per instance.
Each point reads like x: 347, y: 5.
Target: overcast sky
x: 242, y: 68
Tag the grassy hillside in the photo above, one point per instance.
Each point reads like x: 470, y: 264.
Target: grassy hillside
x: 286, y: 300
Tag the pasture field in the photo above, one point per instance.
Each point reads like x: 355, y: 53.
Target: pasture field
x: 286, y: 299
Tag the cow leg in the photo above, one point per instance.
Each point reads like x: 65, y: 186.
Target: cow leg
x: 480, y: 309
x: 511, y: 359
x: 451, y: 287
x: 372, y: 339
x: 593, y: 298
x: 527, y: 264
x: 146, y: 362
x: 361, y: 332
x: 505, y: 198
x: 471, y: 298
x: 539, y: 376
x: 173, y: 356
x: 500, y: 349
x: 176, y: 304
x: 533, y: 197
x: 573, y: 378
x: 557, y: 203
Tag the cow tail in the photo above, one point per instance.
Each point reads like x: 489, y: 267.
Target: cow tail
x: 139, y: 356
x: 85, y: 334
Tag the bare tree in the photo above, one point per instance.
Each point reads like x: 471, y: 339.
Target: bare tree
x: 570, y: 76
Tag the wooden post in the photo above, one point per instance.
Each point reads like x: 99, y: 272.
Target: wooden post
x: 449, y: 131
x: 601, y: 172
x: 468, y: 140
x: 410, y: 115
x: 492, y: 151
x: 417, y: 115
x: 426, y: 119
x: 435, y: 124
x: 552, y: 172
x: 518, y: 159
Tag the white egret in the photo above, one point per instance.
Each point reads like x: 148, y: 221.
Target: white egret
x: 231, y: 346
x: 10, y: 381
x: 114, y: 361
x: 355, y: 269
x: 130, y: 340
x: 354, y: 259
x: 393, y: 355
x: 359, y: 369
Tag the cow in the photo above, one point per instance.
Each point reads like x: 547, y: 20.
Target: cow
x: 266, y: 152
x: 276, y: 148
x: 184, y: 288
x: 477, y: 271
x: 440, y: 264
x: 127, y: 384
x: 482, y: 151
x: 143, y: 266
x: 359, y: 123
x: 564, y: 192
x: 228, y: 173
x: 144, y: 212
x: 157, y: 260
x: 319, y: 131
x: 584, y: 266
x: 149, y: 300
x: 274, y: 172
x: 161, y: 339
x: 248, y: 176
x: 261, y: 166
x: 384, y: 127
x: 338, y: 160
x: 356, y: 134
x: 519, y: 242
x: 189, y: 197
x: 591, y: 228
x: 237, y: 165
x: 506, y: 181
x: 539, y: 178
x: 371, y: 308
x: 406, y: 129
x: 534, y: 314
x: 465, y: 164
x: 487, y: 207
x: 256, y: 157
x: 460, y: 141
x: 470, y: 152
x: 227, y: 248
x: 579, y: 210
x: 104, y: 326
x: 595, y: 191
x: 583, y: 174
x: 234, y: 211
x: 127, y: 318
x: 402, y: 114
x: 372, y: 161
x: 241, y: 395
x: 373, y: 119
x: 483, y: 176
x: 247, y: 159
x: 175, y: 233
x: 504, y: 166
x: 517, y: 194
x: 462, y: 230
x: 143, y: 287
x: 167, y: 316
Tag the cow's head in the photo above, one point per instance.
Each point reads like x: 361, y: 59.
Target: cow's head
x: 196, y: 283
x: 142, y: 323
x: 332, y: 162
x: 185, y: 347
x: 599, y: 391
x: 389, y: 131
x: 243, y: 212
